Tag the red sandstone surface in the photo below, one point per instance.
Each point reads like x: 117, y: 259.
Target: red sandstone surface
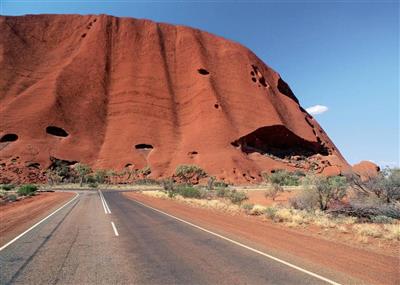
x: 116, y: 92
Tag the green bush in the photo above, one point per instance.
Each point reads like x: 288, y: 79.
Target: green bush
x: 27, y: 190
x: 283, y: 178
x: 93, y: 184
x: 100, y: 175
x: 12, y: 197
x: 220, y: 184
x: 237, y: 197
x: 188, y: 191
x: 7, y: 187
x: 248, y: 207
x: 188, y: 171
x: 222, y: 192
x: 270, y: 212
x: 380, y: 219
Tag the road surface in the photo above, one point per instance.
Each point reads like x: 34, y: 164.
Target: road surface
x: 120, y: 241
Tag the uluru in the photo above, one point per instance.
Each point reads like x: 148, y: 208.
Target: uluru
x: 119, y: 93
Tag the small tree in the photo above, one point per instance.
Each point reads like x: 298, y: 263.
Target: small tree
x: 273, y: 192
x: 82, y: 170
x: 329, y: 189
x: 210, y: 183
x: 100, y: 175
x: 282, y: 177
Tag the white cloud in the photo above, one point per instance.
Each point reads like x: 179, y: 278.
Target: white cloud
x: 317, y: 109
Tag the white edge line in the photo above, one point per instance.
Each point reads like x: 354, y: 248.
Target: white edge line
x: 244, y: 246
x: 38, y: 223
x: 115, y: 229
x: 102, y: 202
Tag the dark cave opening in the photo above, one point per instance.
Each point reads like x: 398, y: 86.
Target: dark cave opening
x: 144, y: 146
x: 56, y: 131
x: 279, y: 142
x: 9, y: 138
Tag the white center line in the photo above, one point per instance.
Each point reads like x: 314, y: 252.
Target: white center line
x: 104, y: 202
x: 115, y: 229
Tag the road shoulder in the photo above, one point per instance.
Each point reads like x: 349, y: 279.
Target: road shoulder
x: 18, y: 216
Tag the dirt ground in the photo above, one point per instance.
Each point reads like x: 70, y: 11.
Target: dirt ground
x: 258, y: 197
x: 15, y: 217
x: 293, y: 244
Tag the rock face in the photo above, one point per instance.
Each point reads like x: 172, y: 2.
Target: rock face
x: 366, y: 169
x: 120, y: 92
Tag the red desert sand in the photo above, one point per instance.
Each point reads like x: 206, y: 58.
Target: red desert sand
x: 121, y: 92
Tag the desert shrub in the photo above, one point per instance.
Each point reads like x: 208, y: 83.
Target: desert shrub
x: 222, y: 192
x: 368, y: 211
x: 186, y: 172
x: 237, y: 197
x: 100, y: 175
x: 220, y: 184
x: 169, y: 187
x: 380, y: 219
x: 385, y: 185
x: 257, y: 210
x: 328, y: 189
x: 27, y: 190
x: 305, y: 199
x: 188, y: 191
x: 210, y: 182
x: 12, y: 197
x: 248, y: 207
x: 283, y: 178
x: 145, y: 171
x: 273, y: 191
x: 270, y: 212
x: 83, y: 170
x: 91, y: 179
x: 7, y: 187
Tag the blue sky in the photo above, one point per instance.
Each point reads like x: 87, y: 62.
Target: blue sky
x: 343, y: 55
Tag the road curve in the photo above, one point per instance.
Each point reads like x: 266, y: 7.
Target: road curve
x: 122, y: 242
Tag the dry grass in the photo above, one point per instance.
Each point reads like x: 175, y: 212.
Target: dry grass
x: 209, y: 204
x: 296, y: 218
x: 368, y: 230
x: 392, y: 232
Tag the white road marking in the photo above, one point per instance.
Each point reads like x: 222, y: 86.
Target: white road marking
x: 245, y: 246
x: 38, y: 223
x: 115, y: 229
x: 104, y: 202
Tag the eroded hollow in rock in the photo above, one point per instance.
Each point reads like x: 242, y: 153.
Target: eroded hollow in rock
x: 203, y: 71
x: 278, y: 141
x: 9, y: 138
x: 56, y: 131
x: 284, y: 88
x: 144, y: 146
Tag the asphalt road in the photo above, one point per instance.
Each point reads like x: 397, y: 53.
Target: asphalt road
x: 81, y: 244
